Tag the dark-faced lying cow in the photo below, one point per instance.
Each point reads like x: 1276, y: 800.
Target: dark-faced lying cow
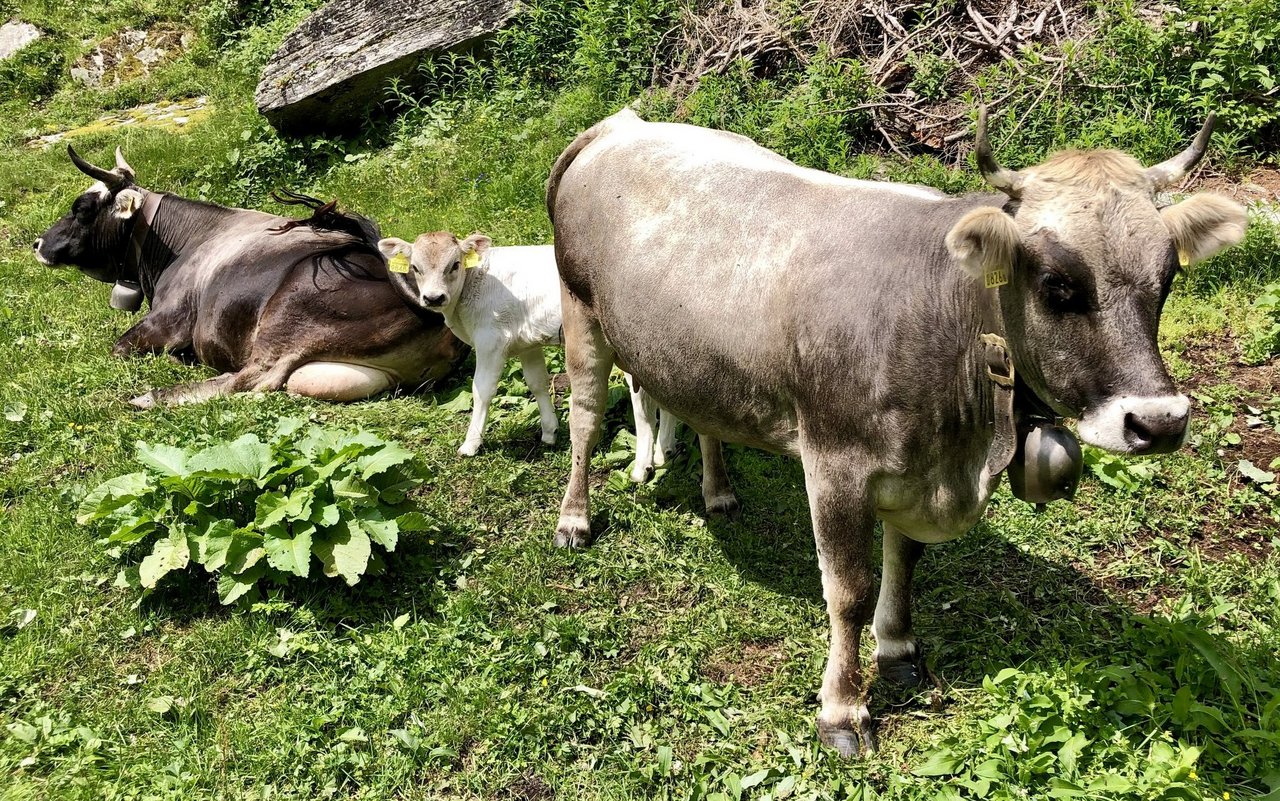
x: 843, y: 322
x: 271, y: 302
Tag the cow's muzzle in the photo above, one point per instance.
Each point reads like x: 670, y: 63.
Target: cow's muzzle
x: 40, y: 257
x: 1138, y: 425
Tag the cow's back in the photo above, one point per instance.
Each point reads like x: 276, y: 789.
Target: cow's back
x: 726, y: 277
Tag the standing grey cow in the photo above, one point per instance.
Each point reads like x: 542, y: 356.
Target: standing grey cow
x: 848, y: 323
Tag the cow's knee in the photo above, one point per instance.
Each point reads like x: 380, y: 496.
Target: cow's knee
x: 338, y: 381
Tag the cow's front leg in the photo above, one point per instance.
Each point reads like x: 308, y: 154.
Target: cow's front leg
x: 898, y: 654
x: 666, y: 437
x: 589, y: 360
x: 157, y: 332
x: 843, y: 526
x: 534, y: 365
x: 490, y: 358
x: 717, y: 493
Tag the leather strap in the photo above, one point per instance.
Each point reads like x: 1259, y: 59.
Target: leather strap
x: 999, y: 369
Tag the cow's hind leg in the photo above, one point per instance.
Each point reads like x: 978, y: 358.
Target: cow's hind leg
x: 534, y: 365
x: 843, y: 525
x: 898, y: 654
x: 338, y: 381
x: 716, y: 490
x: 588, y: 360
x: 666, y: 437
x: 645, y: 411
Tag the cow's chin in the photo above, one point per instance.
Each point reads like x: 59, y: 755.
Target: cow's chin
x: 1137, y: 425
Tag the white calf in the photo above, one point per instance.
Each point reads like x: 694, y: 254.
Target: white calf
x: 505, y: 302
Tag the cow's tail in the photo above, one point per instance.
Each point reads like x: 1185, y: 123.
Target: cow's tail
x: 566, y: 158
x: 363, y: 233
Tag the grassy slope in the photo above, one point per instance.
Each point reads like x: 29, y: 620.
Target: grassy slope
x: 521, y: 667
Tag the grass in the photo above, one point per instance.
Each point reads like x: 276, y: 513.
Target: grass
x: 679, y: 657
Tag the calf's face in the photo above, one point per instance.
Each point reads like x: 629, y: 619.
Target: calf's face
x: 437, y: 264
x: 94, y: 234
x: 1090, y: 259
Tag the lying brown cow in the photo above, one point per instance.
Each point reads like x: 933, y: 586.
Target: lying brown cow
x: 274, y: 303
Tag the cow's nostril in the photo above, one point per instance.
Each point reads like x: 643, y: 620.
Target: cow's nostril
x: 434, y: 300
x: 1159, y: 432
x: 36, y: 246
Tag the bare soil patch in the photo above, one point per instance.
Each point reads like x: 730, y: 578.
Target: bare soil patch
x: 752, y: 665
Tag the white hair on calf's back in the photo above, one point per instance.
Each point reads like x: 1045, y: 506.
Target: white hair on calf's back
x: 982, y: 239
x: 1204, y: 225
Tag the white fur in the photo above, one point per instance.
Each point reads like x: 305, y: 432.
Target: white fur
x: 1104, y: 426
x: 509, y: 307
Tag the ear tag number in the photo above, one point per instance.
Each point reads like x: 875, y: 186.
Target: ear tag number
x: 471, y: 260
x: 399, y: 263
x: 994, y: 277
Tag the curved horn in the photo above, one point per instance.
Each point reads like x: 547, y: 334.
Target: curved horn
x: 108, y: 177
x: 123, y: 168
x: 1006, y: 180
x: 1168, y: 173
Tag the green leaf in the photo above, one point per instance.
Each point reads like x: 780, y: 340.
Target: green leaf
x: 245, y: 459
x: 170, y: 553
x: 414, y: 521
x: 382, y: 460
x: 164, y: 459
x: 940, y: 763
x: 111, y: 495
x: 275, y: 507
x: 1255, y: 474
x: 232, y: 588
x: 326, y: 514
x: 345, y: 553
x: 380, y: 530
x: 245, y: 550
x: 291, y: 554
x: 212, y: 547
x: 460, y: 402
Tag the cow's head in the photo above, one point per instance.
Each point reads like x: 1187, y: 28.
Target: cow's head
x: 437, y: 263
x: 1090, y: 259
x: 94, y: 234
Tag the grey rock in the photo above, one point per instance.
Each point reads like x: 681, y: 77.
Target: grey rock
x: 339, y: 60
x: 130, y: 54
x: 15, y: 35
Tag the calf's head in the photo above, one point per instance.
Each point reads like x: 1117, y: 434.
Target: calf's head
x: 94, y: 234
x: 437, y: 264
x: 1090, y: 258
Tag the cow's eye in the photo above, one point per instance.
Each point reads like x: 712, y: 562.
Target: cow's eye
x: 1060, y: 292
x: 453, y: 268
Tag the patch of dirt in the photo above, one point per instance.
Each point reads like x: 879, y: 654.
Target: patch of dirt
x: 754, y: 664
x: 1261, y: 185
x: 529, y: 787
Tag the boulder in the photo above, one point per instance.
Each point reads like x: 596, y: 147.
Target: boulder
x: 15, y: 35
x: 339, y: 60
x: 130, y: 54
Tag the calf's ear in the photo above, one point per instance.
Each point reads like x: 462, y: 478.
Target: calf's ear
x: 983, y: 240
x: 127, y: 203
x: 1204, y: 225
x: 393, y: 246
x: 477, y: 242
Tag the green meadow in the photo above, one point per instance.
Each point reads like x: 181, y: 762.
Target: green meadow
x: 1122, y: 646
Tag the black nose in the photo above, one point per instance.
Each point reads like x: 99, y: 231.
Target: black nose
x: 37, y: 244
x: 435, y: 300
x: 1155, y: 432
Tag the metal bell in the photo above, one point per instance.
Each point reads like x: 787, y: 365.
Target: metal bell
x: 126, y: 296
x: 1047, y: 464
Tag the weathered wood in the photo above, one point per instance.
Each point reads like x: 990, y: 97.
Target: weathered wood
x: 340, y: 58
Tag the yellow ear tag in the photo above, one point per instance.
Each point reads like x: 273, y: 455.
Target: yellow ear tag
x: 398, y: 263
x: 1184, y: 259
x: 994, y: 277
x: 471, y: 260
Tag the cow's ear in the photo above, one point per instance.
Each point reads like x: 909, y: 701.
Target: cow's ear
x: 393, y: 246
x: 984, y: 240
x: 127, y: 203
x: 1204, y: 225
x: 477, y: 242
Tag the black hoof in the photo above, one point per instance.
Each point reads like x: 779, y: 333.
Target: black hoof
x: 572, y: 537
x: 849, y: 743
x: 908, y: 672
x: 724, y: 506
